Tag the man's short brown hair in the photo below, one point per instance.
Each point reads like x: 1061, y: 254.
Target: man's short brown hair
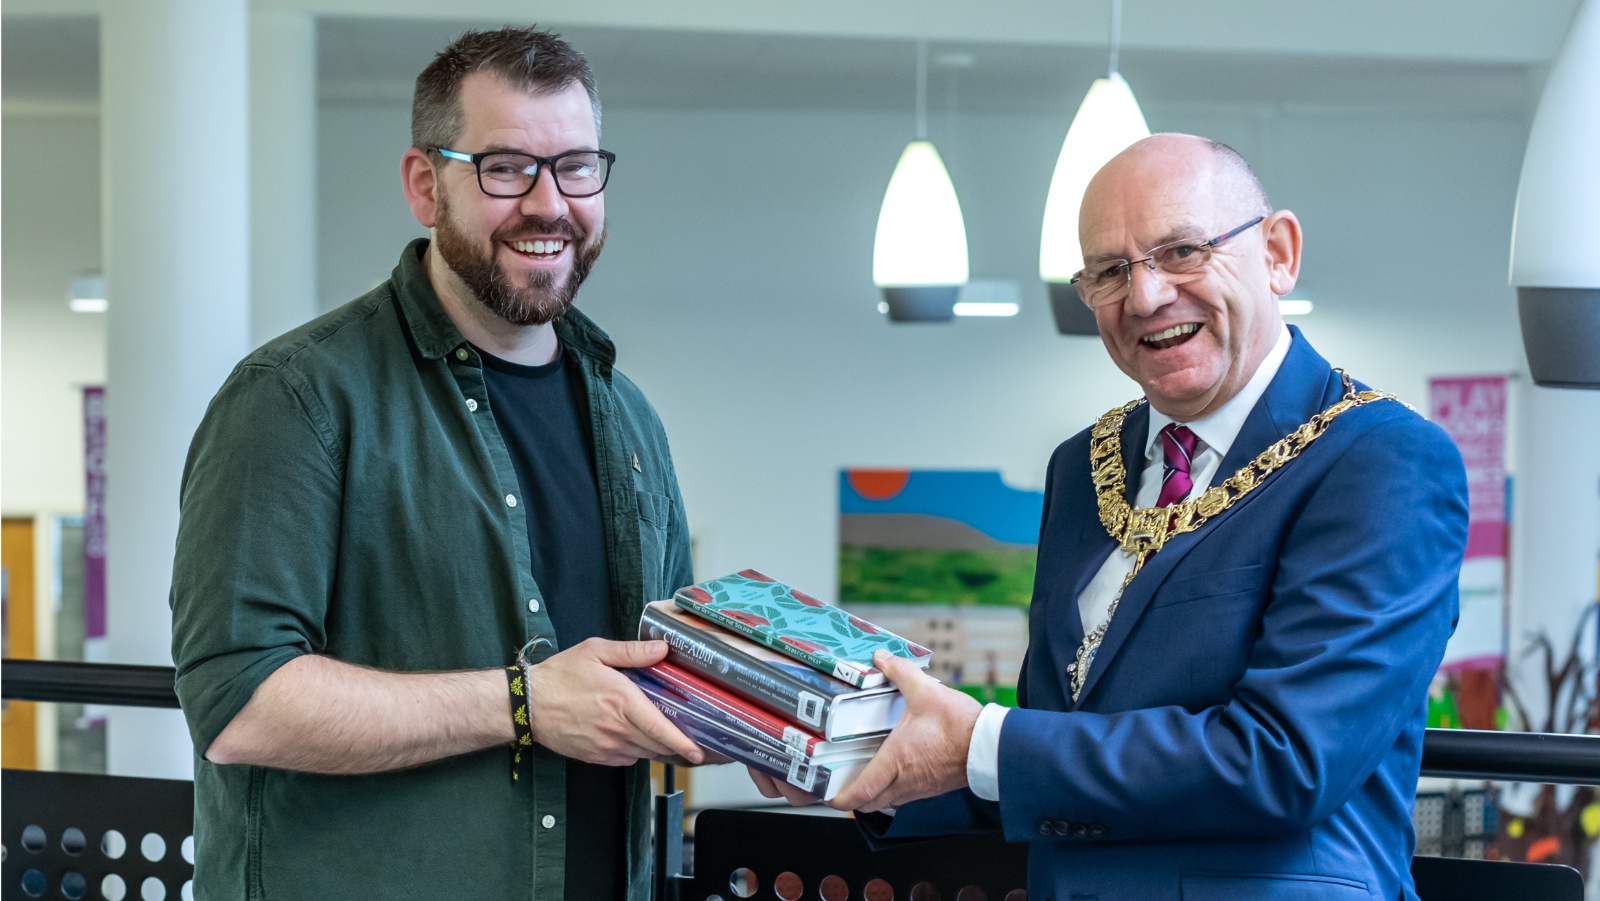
x: 538, y: 62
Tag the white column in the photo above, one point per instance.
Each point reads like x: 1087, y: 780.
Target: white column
x: 175, y: 163
x: 283, y: 172
x: 1555, y: 528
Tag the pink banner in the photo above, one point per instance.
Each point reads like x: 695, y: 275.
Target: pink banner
x: 1473, y: 411
x: 94, y: 513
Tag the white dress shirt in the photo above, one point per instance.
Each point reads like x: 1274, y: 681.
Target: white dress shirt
x: 1216, y: 433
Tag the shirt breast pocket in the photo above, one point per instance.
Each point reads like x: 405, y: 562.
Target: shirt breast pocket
x: 655, y: 518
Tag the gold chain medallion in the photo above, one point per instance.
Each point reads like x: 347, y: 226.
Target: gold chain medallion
x: 1141, y: 531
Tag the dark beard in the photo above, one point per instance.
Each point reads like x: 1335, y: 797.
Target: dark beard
x: 539, y: 300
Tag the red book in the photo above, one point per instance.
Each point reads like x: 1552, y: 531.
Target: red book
x: 796, y: 740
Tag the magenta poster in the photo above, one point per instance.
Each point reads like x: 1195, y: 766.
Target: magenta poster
x: 94, y: 522
x: 1472, y: 409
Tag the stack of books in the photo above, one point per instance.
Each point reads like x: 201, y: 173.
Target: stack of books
x: 773, y: 678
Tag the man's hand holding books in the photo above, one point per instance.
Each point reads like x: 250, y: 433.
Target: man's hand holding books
x: 581, y: 707
x: 926, y: 754
x: 772, y: 678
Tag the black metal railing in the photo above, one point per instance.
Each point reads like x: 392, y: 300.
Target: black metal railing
x: 1511, y: 756
x: 65, y: 682
x: 1450, y: 753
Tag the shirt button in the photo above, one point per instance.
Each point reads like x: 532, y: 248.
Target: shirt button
x: 472, y: 405
x: 1097, y: 831
x: 461, y: 354
x: 533, y: 605
x: 1080, y: 831
x: 511, y: 500
x: 1044, y: 827
x: 548, y: 821
x: 1063, y: 827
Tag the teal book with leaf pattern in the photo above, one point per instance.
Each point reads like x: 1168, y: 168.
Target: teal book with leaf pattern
x: 794, y: 623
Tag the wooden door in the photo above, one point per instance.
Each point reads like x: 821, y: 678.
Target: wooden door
x: 19, y: 746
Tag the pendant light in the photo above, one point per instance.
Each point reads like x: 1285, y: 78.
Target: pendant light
x: 1556, y: 227
x: 1108, y: 121
x: 919, y: 256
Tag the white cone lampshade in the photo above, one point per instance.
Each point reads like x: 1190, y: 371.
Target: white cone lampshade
x: 1108, y: 120
x: 1555, y: 264
x: 919, y: 257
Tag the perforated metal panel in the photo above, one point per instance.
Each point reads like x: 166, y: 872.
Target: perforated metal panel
x: 784, y: 857
x: 76, y: 836
x: 1454, y: 823
x: 1427, y: 819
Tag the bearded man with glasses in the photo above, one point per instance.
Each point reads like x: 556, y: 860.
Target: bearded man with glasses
x: 414, y: 529
x: 1245, y: 583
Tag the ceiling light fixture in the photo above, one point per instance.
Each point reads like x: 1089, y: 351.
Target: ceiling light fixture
x: 1108, y: 120
x: 973, y: 308
x: 1556, y: 226
x: 86, y: 293
x: 989, y: 297
x: 919, y: 255
x: 1294, y: 307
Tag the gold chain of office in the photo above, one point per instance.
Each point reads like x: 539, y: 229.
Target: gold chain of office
x: 1142, y: 531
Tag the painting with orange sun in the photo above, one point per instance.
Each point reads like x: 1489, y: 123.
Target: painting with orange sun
x: 945, y: 557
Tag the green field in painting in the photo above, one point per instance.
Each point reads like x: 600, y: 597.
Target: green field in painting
x: 872, y: 575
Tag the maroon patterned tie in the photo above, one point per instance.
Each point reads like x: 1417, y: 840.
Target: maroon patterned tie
x: 1177, y: 446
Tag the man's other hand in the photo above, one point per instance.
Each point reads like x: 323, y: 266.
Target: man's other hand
x: 926, y: 754
x: 582, y: 708
x: 712, y: 758
x: 777, y: 788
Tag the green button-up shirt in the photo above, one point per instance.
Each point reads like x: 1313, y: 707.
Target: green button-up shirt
x: 349, y: 494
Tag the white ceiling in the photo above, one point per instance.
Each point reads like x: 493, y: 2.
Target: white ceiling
x: 54, y: 59
x: 367, y: 59
x: 1522, y: 31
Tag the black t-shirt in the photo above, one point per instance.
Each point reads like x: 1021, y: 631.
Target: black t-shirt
x: 543, y: 416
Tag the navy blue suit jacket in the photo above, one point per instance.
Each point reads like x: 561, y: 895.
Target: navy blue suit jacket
x: 1252, y: 725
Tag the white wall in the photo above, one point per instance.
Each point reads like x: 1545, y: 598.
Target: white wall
x: 51, y: 184
x: 362, y: 219
x: 737, y: 284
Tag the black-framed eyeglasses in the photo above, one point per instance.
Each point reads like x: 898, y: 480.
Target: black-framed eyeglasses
x: 504, y: 173
x: 1108, y: 282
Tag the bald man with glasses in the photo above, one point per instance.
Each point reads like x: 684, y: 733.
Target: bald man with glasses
x: 1246, y: 580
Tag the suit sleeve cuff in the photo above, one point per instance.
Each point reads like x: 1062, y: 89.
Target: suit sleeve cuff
x: 983, y: 754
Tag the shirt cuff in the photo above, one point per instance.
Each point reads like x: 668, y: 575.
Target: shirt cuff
x: 983, y: 754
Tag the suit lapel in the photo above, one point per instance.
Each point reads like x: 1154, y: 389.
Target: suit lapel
x: 1295, y: 394
x: 1298, y: 392
x: 1095, y: 547
x: 1135, y: 432
x: 1093, y: 544
x: 1089, y: 547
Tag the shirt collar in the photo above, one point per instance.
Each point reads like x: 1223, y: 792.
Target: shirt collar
x: 1221, y: 426
x: 435, y: 335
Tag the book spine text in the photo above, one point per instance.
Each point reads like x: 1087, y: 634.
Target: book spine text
x: 794, y: 770
x: 726, y: 666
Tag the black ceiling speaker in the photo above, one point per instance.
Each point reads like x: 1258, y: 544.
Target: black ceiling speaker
x: 923, y: 303
x: 1073, y: 316
x: 1555, y: 235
